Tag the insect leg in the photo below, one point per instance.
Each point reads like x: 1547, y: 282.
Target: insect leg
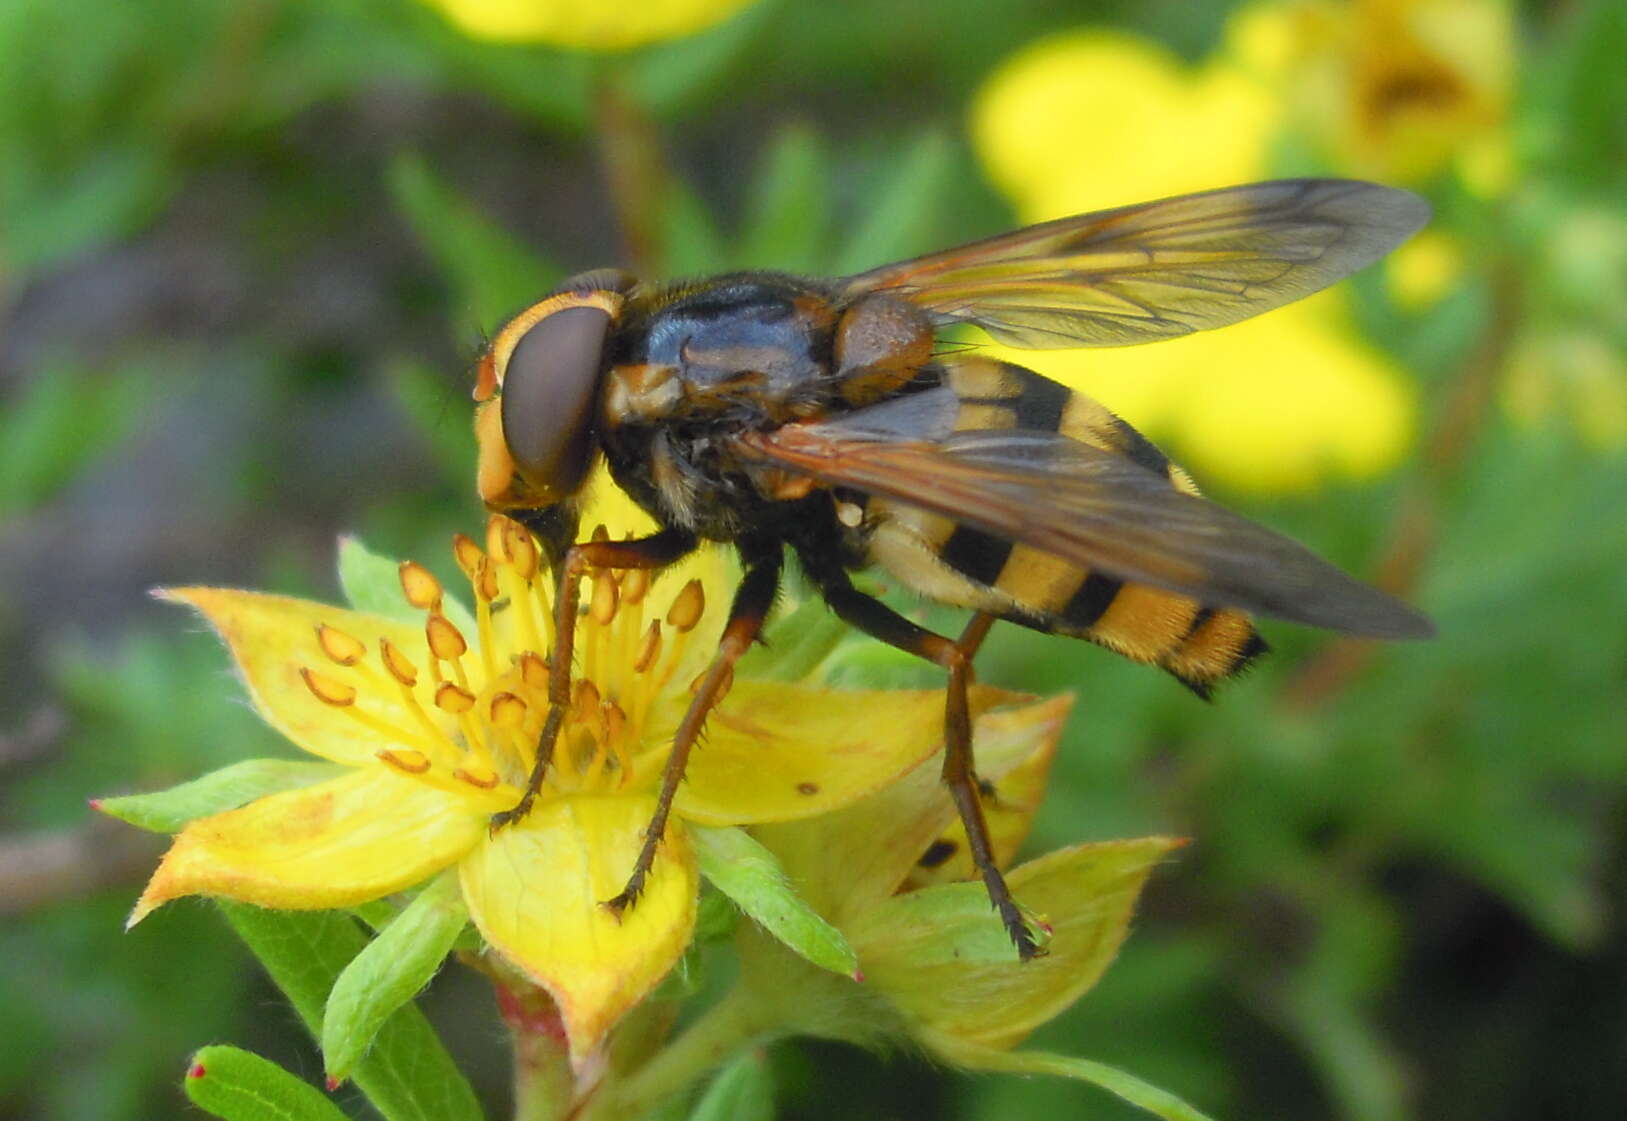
x: 959, y: 774
x: 752, y: 601
x: 656, y: 551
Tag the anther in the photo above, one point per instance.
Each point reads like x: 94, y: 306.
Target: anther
x: 522, y: 550
x: 600, y: 534
x: 422, y: 590
x: 723, y: 686
x: 481, y: 777
x: 508, y: 710
x: 400, y: 667
x: 649, y: 648
x: 446, y: 642
x: 603, y: 609
x: 405, y: 760
x: 466, y: 553
x: 486, y: 580
x: 495, y: 538
x: 635, y: 583
x: 585, y: 702
x: 533, y: 671
x: 849, y: 514
x: 339, y: 646
x: 327, y: 690
x: 687, y: 609
x: 454, y: 699
x: 615, y: 720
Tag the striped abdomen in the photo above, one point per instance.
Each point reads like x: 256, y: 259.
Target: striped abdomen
x: 957, y: 564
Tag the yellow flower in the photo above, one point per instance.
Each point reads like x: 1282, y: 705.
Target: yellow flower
x: 892, y: 873
x: 434, y: 725
x: 1284, y: 402
x: 594, y: 27
x: 1397, y: 89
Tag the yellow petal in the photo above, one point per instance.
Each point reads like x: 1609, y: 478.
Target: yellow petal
x: 1085, y: 121
x: 848, y: 861
x: 1086, y: 893
x: 334, y: 844
x: 272, y: 637
x: 536, y: 890
x: 585, y: 26
x: 776, y: 752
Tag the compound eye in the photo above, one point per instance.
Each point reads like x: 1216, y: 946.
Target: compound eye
x: 550, y: 400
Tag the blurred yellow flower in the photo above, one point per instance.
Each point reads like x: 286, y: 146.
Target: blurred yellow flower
x: 586, y: 26
x: 1395, y: 89
x: 1574, y: 374
x: 1424, y: 269
x: 1284, y: 402
x: 434, y: 727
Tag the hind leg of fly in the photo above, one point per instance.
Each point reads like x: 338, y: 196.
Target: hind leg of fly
x: 959, y: 773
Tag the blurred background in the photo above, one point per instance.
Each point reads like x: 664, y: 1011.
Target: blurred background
x: 247, y: 254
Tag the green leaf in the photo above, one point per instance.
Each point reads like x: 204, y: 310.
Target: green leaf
x: 787, y: 213
x: 167, y: 811
x: 903, y: 218
x: 439, y: 411
x: 1127, y: 1086
x: 372, y: 583
x: 693, y: 245
x: 795, y: 646
x: 747, y: 873
x: 59, y: 425
x: 407, y: 1075
x: 491, y: 273
x: 389, y: 972
x: 238, y: 1085
x: 676, y: 76
x: 742, y: 1091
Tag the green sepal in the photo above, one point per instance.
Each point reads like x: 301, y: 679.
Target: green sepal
x: 741, y: 1091
x: 407, y: 1075
x: 941, y: 956
x: 741, y: 868
x: 1144, y: 1095
x: 389, y: 972
x: 168, y: 811
x: 371, y: 582
x: 238, y: 1085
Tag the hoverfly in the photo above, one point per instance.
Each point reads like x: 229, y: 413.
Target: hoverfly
x: 779, y: 414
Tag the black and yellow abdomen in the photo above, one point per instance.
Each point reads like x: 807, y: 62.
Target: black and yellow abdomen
x: 944, y: 560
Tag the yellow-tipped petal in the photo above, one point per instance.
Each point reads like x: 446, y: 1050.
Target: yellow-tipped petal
x: 776, y: 752
x: 335, y: 844
x: 908, y: 948
x: 273, y: 637
x: 848, y: 861
x: 536, y: 891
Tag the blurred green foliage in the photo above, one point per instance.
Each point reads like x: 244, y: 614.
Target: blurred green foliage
x: 245, y: 251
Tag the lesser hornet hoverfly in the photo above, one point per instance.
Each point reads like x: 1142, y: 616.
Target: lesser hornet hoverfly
x: 779, y: 414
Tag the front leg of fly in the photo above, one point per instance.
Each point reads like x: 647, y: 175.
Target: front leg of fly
x: 656, y: 551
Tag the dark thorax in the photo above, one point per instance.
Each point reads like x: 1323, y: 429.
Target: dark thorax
x: 692, y: 365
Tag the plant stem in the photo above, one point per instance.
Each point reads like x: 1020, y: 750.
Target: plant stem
x: 732, y: 1023
x: 635, y: 170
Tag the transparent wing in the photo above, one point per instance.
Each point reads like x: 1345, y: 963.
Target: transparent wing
x: 1160, y: 269
x: 1097, y: 509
